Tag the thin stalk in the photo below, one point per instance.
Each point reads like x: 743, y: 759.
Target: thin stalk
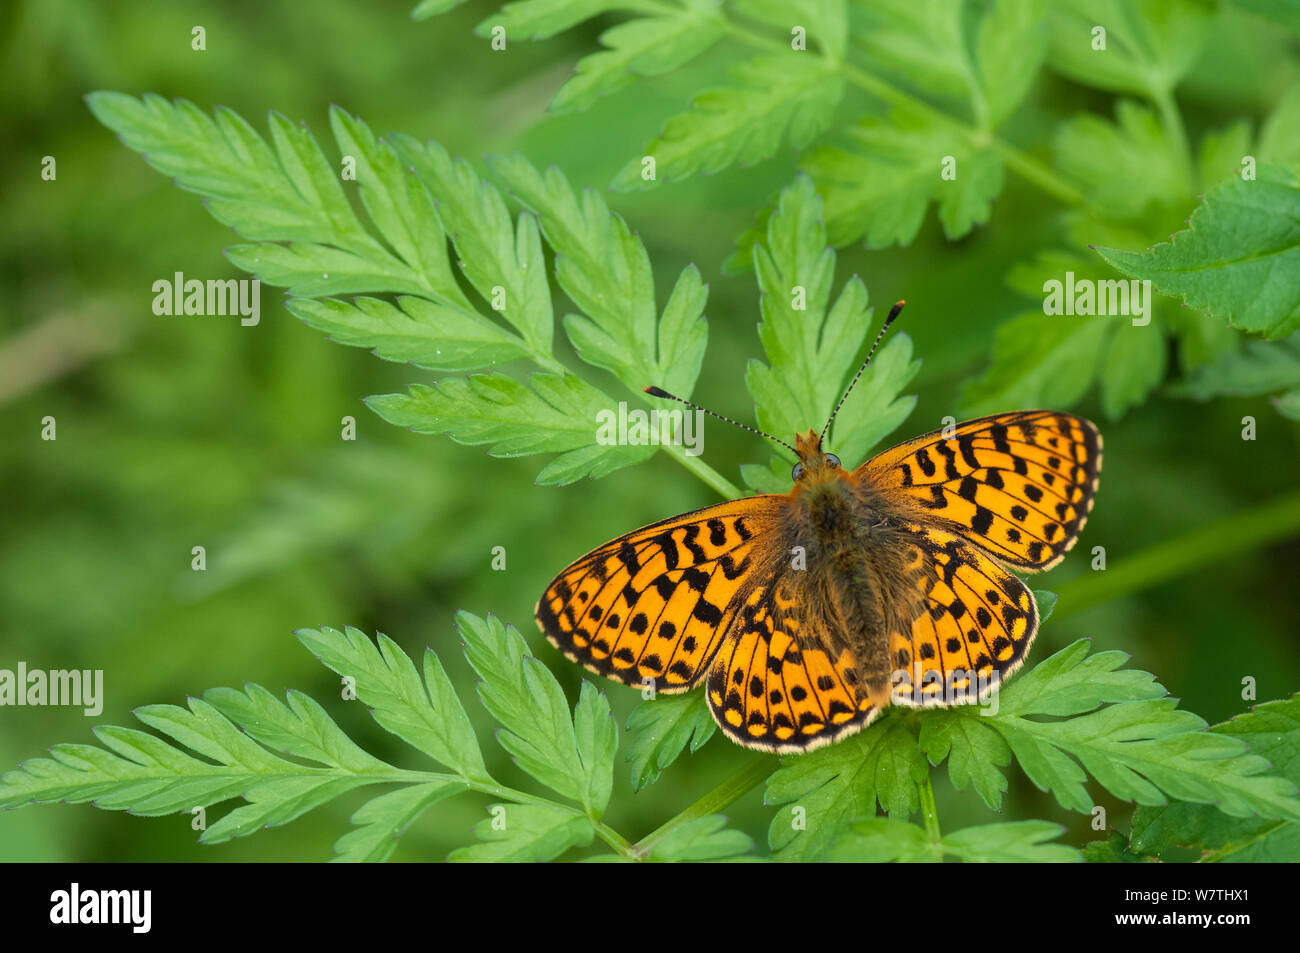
x: 1204, y: 546
x: 730, y: 790
x: 1172, y: 120
x: 929, y: 812
x: 705, y: 472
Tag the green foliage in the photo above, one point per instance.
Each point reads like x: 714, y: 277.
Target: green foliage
x: 774, y: 98
x: 1272, y: 731
x: 942, y: 82
x: 427, y: 264
x: 814, y: 345
x: 1238, y: 258
x: 286, y: 198
x: 245, y: 733
x: 662, y: 729
x: 1114, y: 722
x: 1072, y: 716
x: 883, y: 839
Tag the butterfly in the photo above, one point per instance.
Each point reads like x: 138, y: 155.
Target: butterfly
x: 807, y: 614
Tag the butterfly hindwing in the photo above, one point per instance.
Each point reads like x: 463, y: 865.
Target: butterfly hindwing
x: 1019, y: 484
x: 656, y: 602
x: 977, y: 625
x: 773, y: 686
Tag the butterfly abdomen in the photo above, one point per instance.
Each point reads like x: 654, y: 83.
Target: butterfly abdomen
x: 842, y: 537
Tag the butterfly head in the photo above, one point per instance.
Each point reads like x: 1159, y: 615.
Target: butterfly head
x: 814, y: 465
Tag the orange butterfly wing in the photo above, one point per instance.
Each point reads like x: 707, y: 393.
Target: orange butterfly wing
x: 978, y: 624
x: 654, y: 604
x: 772, y: 688
x: 1020, y: 484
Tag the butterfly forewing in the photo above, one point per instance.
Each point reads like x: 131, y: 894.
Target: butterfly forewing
x: 1020, y: 484
x: 654, y: 604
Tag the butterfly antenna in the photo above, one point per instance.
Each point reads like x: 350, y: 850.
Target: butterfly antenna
x: 889, y: 319
x: 660, y: 392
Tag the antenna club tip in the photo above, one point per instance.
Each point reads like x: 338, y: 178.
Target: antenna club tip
x: 900, y: 302
x: 656, y: 391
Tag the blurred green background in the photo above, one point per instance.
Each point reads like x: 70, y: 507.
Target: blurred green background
x: 176, y: 432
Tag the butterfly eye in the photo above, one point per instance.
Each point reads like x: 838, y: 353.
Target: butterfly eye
x: 832, y: 459
x: 797, y: 472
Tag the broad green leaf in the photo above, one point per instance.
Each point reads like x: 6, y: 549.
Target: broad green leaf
x: 704, y: 838
x: 774, y: 98
x: 1272, y: 730
x: 1125, y: 166
x: 426, y: 714
x: 526, y: 833
x: 881, y: 184
x: 382, y: 820
x: 549, y: 414
x: 662, y: 729
x: 647, y: 46
x: 574, y: 759
x: 424, y: 333
x: 1238, y: 257
x: 815, y: 345
x: 819, y: 794
x: 1149, y: 45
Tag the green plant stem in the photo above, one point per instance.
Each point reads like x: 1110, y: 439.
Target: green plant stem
x: 929, y: 812
x: 705, y: 472
x: 730, y: 790
x: 1172, y: 120
x: 1202, y: 547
